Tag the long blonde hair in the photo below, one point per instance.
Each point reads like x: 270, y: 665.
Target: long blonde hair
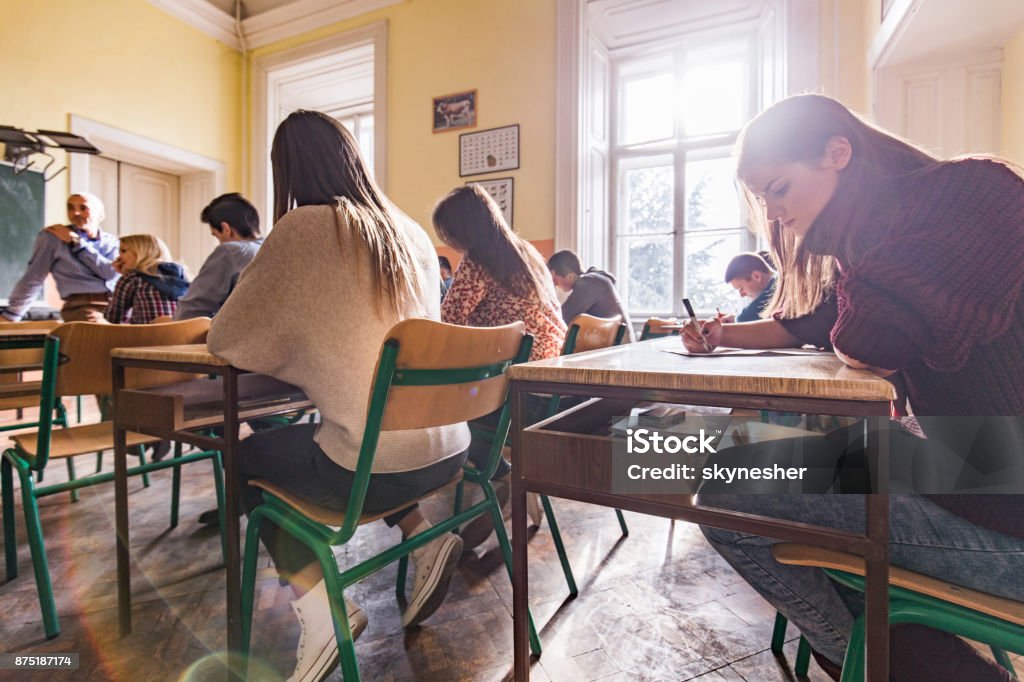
x: 798, y: 128
x: 149, y: 251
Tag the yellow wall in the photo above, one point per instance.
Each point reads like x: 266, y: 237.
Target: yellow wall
x: 1013, y: 99
x: 847, y: 29
x: 123, y: 63
x: 506, y: 51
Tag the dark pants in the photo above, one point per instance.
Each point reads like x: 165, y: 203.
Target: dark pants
x: 291, y: 459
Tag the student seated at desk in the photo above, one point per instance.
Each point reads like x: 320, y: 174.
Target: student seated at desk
x: 235, y: 224
x: 341, y: 267
x: 150, y: 285
x: 941, y: 313
x: 752, y: 278
x: 590, y: 293
x: 502, y: 278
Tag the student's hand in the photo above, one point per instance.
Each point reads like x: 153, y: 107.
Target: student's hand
x: 118, y: 265
x: 711, y: 330
x: 61, y: 232
x: 95, y: 316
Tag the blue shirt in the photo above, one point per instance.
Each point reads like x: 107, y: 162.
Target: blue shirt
x: 83, y: 269
x: 216, y: 279
x: 753, y: 311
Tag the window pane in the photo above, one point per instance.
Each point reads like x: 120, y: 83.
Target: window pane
x: 648, y: 200
x: 648, y: 263
x: 707, y: 256
x: 714, y: 97
x: 647, y: 105
x: 712, y: 199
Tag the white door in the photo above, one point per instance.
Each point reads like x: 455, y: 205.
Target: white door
x: 103, y: 183
x: 149, y: 205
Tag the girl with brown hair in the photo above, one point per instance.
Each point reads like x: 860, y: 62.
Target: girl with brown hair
x: 930, y: 263
x: 340, y: 268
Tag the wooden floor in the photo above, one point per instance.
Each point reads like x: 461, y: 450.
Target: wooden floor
x: 658, y: 605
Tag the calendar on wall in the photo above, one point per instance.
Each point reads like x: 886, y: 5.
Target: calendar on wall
x: 500, y: 190
x: 488, y: 151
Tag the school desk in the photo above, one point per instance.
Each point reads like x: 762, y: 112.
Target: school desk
x: 560, y: 459
x: 175, y: 412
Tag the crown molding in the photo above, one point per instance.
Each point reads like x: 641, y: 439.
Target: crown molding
x: 203, y: 16
x: 302, y: 16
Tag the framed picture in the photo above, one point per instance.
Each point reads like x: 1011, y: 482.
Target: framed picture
x: 500, y: 190
x: 455, y: 111
x: 488, y: 151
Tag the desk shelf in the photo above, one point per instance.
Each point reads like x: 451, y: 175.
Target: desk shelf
x: 196, y: 404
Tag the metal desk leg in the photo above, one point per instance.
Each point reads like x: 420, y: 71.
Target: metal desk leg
x: 520, y: 591
x: 124, y: 577
x: 877, y: 559
x: 233, y: 568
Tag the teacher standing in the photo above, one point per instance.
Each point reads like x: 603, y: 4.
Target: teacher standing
x: 80, y: 257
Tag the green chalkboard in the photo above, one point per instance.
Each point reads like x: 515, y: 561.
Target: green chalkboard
x: 21, y: 218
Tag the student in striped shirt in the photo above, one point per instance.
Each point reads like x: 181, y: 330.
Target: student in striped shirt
x: 80, y: 257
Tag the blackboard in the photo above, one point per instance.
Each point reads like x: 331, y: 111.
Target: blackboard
x: 21, y: 217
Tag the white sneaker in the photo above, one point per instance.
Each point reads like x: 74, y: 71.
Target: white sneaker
x: 534, y: 510
x: 317, y: 654
x: 434, y: 564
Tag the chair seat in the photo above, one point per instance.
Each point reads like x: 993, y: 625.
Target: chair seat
x: 21, y: 388
x: 79, y: 440
x: 330, y: 517
x: 998, y: 607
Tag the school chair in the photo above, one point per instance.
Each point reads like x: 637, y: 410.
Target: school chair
x: 428, y: 374
x: 654, y: 328
x: 76, y: 361
x: 917, y: 598
x: 586, y: 333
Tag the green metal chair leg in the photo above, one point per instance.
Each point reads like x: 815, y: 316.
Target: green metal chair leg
x: 250, y: 555
x: 779, y: 633
x: 40, y: 567
x: 10, y: 538
x: 99, y: 461
x: 175, y: 486
x: 403, y: 570
x: 458, y: 502
x: 218, y: 487
x: 803, y: 658
x: 71, y: 476
x: 342, y: 628
x: 1003, y: 659
x: 78, y: 409
x: 559, y: 546
x: 853, y: 664
x: 141, y: 449
x: 506, y: 553
x: 622, y: 523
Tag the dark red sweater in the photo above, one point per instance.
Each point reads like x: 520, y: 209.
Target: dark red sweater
x: 938, y: 296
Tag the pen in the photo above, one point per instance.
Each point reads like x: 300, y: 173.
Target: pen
x: 696, y: 323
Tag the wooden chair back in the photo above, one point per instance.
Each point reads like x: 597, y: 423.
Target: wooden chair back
x: 85, y: 353
x: 654, y: 328
x: 425, y: 345
x: 595, y: 332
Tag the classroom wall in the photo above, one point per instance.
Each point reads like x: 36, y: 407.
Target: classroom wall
x: 1013, y: 99
x: 123, y: 63
x: 847, y: 29
x: 506, y: 51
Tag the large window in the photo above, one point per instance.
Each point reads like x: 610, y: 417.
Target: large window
x: 676, y: 211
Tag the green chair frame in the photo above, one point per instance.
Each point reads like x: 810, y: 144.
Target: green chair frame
x: 568, y: 348
x: 648, y: 334
x: 321, y: 538
x: 908, y: 606
x: 25, y: 464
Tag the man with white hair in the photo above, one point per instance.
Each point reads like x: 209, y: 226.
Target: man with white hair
x: 80, y: 257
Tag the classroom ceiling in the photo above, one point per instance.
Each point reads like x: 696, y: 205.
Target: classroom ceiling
x: 250, y: 8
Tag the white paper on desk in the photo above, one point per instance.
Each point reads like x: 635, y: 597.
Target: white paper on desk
x: 765, y: 352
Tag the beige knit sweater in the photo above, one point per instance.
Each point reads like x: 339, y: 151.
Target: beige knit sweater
x: 304, y: 311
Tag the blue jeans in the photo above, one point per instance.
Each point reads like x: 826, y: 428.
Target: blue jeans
x: 923, y: 537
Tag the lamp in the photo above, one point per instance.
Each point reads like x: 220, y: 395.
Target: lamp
x: 19, y: 145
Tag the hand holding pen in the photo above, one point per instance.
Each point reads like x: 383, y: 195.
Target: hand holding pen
x: 694, y: 331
